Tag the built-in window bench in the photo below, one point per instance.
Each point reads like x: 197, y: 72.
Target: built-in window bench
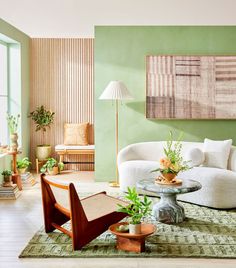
x: 63, y: 150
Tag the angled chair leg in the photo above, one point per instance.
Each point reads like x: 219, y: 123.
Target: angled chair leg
x: 51, y: 214
x: 79, y: 221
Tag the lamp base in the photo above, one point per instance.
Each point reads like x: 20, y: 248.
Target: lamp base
x: 114, y: 184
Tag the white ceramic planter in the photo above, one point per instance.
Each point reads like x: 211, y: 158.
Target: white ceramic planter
x: 135, y: 228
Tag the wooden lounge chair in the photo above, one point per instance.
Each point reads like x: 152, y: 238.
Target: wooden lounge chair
x: 89, y: 217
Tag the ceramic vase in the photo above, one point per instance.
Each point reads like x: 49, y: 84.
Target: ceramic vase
x: 14, y: 143
x: 169, y: 176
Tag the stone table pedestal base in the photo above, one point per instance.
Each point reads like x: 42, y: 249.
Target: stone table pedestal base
x: 167, y: 210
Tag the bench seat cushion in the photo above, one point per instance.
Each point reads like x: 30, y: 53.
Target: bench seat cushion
x: 74, y: 147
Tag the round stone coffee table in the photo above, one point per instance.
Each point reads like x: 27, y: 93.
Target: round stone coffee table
x: 168, y: 210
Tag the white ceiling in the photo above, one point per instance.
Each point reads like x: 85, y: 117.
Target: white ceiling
x: 77, y: 18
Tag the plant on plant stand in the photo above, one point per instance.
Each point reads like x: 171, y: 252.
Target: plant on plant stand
x: 136, y: 210
x: 52, y: 167
x: 13, y: 123
x: 43, y: 120
x: 173, y: 162
x: 7, y: 178
x: 22, y: 165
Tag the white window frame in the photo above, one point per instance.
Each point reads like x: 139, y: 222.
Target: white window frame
x: 7, y: 92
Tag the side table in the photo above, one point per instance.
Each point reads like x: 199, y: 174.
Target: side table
x: 131, y: 242
x: 15, y: 177
x: 168, y: 210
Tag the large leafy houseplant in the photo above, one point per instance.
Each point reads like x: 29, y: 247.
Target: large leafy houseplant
x: 173, y: 162
x: 43, y: 119
x: 136, y: 209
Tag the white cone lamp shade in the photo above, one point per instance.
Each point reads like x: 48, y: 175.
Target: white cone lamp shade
x: 116, y: 90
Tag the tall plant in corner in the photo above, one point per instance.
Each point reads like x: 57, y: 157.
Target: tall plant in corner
x: 43, y: 119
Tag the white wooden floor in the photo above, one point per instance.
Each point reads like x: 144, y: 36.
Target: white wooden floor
x: 20, y: 219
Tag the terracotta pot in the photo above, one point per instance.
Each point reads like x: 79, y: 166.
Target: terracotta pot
x: 135, y: 228
x: 43, y: 152
x: 14, y: 143
x: 7, y: 181
x: 54, y: 171
x: 169, y: 176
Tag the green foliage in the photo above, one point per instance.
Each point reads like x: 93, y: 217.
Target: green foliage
x: 42, y: 118
x: 13, y: 122
x: 137, y: 208
x: 23, y: 163
x: 52, y: 162
x: 7, y: 172
x: 173, y: 161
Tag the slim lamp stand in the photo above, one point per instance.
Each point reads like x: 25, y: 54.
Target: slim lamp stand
x: 116, y: 182
x: 116, y: 90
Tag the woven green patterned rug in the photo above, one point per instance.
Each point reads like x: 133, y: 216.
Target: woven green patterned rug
x: 206, y: 233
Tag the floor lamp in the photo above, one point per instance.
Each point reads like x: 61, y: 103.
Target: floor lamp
x: 116, y: 91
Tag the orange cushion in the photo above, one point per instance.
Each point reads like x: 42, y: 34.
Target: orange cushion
x: 76, y: 134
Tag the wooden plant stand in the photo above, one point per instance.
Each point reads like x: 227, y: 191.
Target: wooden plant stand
x: 15, y: 176
x: 130, y: 242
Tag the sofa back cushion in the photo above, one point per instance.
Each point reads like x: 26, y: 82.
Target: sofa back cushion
x: 194, y: 156
x: 217, y: 153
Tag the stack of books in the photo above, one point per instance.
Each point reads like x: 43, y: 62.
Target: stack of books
x: 9, y: 192
x: 27, y: 180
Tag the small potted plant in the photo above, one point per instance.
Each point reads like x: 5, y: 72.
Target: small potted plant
x: 136, y: 210
x: 7, y: 178
x: 22, y: 165
x: 52, y: 167
x: 13, y: 122
x: 173, y: 162
x: 43, y: 120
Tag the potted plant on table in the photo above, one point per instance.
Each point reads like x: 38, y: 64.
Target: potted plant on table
x: 7, y: 178
x: 22, y: 165
x: 173, y: 162
x: 43, y: 120
x: 13, y: 122
x: 52, y: 167
x: 136, y: 210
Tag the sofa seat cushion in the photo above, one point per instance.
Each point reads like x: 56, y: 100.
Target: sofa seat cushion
x: 218, y: 187
x: 129, y: 171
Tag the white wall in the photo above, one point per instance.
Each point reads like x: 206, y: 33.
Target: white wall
x: 76, y: 18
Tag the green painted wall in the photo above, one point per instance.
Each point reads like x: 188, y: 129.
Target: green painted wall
x: 24, y: 41
x: 120, y: 55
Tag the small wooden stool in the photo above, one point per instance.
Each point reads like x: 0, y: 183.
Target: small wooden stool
x: 132, y: 242
x: 39, y: 163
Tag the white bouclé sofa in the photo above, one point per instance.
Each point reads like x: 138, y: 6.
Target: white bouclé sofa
x: 136, y: 161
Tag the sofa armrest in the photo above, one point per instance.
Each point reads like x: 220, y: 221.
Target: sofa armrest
x: 127, y: 154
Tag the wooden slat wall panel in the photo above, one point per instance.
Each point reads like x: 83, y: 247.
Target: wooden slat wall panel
x: 62, y: 80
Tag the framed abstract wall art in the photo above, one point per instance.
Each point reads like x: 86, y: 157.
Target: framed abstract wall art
x: 191, y: 87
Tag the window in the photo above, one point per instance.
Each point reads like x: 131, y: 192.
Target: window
x: 3, y: 93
